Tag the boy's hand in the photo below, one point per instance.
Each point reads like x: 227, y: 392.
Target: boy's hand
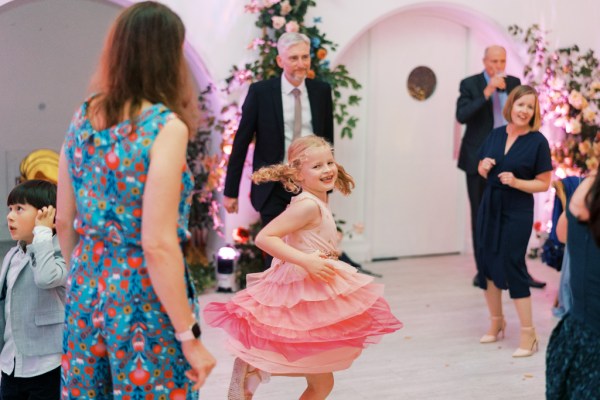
x: 45, y: 217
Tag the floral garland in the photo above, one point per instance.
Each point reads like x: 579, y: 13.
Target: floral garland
x: 274, y: 18
x: 568, y: 83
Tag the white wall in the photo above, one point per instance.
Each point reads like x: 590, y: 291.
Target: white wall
x: 48, y: 50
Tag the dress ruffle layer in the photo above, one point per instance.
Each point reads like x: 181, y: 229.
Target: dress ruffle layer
x: 286, y: 321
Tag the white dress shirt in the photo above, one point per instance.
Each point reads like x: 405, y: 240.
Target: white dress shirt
x: 288, y: 112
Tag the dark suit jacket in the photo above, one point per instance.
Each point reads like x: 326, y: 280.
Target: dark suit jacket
x: 262, y: 120
x: 474, y: 110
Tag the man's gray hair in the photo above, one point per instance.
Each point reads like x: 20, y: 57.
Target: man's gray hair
x: 290, y: 39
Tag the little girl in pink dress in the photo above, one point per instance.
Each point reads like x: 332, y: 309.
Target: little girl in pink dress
x: 309, y: 314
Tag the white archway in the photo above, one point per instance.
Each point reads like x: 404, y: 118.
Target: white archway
x: 365, y: 205
x: 197, y: 66
x: 51, y: 50
x: 474, y: 20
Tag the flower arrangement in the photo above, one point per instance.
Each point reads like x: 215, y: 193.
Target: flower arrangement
x: 542, y: 232
x: 250, y: 258
x: 357, y: 228
x: 276, y: 17
x: 568, y: 84
x: 208, y: 171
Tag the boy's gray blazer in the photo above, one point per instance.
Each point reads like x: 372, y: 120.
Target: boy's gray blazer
x: 37, y: 299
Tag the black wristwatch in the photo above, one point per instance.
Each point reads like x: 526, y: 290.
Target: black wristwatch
x: 193, y: 332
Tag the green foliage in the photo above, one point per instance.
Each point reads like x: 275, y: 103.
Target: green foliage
x: 202, y: 276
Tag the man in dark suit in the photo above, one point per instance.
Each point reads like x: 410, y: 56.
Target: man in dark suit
x: 275, y: 112
x: 479, y: 106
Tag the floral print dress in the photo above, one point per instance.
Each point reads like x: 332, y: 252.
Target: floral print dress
x: 118, y: 341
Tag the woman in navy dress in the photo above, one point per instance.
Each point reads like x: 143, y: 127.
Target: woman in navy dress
x: 573, y: 356
x: 515, y: 160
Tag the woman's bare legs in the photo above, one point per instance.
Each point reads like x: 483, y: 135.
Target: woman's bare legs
x: 528, y: 339
x: 493, y: 298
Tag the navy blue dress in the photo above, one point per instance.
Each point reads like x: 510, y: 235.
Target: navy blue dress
x: 573, y: 355
x: 505, y: 217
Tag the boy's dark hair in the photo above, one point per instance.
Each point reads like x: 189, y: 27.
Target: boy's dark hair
x: 36, y: 192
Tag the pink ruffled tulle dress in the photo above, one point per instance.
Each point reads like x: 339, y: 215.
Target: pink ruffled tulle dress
x: 285, y: 321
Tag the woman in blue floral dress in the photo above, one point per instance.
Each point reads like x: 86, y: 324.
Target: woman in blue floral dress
x: 124, y: 192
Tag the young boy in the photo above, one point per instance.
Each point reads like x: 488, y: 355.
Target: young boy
x: 32, y: 296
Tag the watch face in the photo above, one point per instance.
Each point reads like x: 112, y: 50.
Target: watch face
x: 196, y: 330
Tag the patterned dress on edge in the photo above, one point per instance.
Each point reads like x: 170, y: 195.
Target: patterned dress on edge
x: 118, y: 341
x: 285, y: 321
x: 573, y: 354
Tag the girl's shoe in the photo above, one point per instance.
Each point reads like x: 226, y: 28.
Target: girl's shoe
x: 499, y: 325
x: 244, y: 380
x: 532, y: 343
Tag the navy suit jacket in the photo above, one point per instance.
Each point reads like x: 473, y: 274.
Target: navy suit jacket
x: 262, y: 121
x: 474, y: 110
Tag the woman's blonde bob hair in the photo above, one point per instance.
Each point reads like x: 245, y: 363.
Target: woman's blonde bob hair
x: 536, y: 120
x: 287, y: 173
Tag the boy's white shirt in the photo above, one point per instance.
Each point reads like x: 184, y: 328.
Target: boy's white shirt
x: 10, y: 359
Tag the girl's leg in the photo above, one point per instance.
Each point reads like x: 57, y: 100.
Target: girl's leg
x: 319, y: 386
x: 493, y: 298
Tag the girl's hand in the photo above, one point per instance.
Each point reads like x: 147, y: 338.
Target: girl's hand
x: 45, y: 217
x: 319, y: 267
x: 507, y: 178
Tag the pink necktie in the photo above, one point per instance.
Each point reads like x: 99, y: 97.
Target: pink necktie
x: 297, y: 114
x: 497, y: 106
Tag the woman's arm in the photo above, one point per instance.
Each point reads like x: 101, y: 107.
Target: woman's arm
x: 164, y: 258
x: 66, y: 210
x: 540, y: 183
x: 300, y: 215
x: 561, y: 228
x: 577, y: 205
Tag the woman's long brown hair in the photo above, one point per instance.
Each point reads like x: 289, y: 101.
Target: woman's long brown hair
x: 143, y: 60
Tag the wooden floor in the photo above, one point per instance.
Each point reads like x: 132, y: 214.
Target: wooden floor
x: 437, y: 354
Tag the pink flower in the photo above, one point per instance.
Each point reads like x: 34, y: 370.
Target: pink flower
x: 577, y: 100
x: 589, y: 115
x: 253, y: 7
x: 278, y: 22
x: 585, y: 147
x: 270, y: 3
x: 285, y: 7
x: 592, y: 163
x: 256, y: 43
x: 358, y: 228
x: 292, y: 26
x: 573, y: 126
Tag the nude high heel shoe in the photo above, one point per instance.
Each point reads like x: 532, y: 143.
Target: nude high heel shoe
x: 501, y: 326
x: 531, y: 347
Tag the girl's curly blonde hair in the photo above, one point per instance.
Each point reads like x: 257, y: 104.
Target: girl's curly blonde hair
x: 287, y: 173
